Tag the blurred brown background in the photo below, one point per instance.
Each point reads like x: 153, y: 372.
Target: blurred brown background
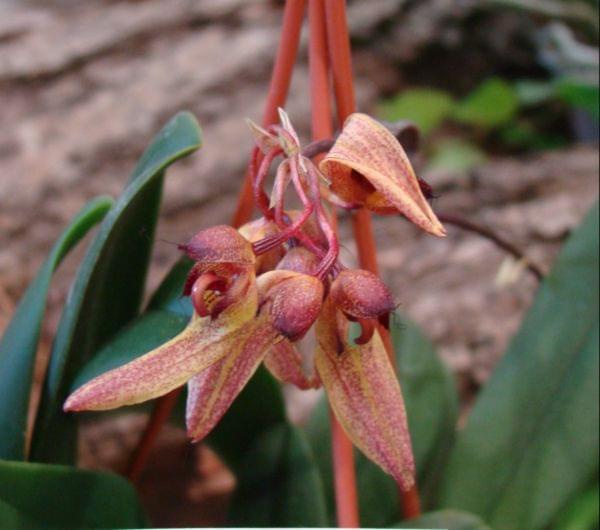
x: 84, y: 85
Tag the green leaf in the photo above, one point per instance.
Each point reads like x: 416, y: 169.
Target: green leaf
x: 109, y: 286
x: 531, y: 442
x: 490, y: 105
x: 431, y: 400
x: 12, y: 518
x: 524, y: 134
x: 169, y: 296
x: 582, y: 513
x: 531, y: 92
x: 424, y: 106
x: 66, y: 497
x: 447, y: 519
x: 19, y: 343
x: 456, y: 156
x: 580, y: 95
x: 278, y: 484
x: 431, y: 404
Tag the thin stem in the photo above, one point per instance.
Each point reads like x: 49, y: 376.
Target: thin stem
x: 341, y: 66
x: 278, y: 90
x: 281, y: 182
x: 344, y: 472
x: 160, y: 414
x: 470, y: 226
x: 318, y: 147
x: 280, y: 81
x: 260, y: 197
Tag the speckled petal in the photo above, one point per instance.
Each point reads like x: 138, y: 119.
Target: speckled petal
x: 211, y: 392
x: 365, y: 395
x: 378, y: 160
x: 202, y: 343
x: 285, y: 363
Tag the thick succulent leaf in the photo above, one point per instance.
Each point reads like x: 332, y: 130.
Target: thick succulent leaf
x: 19, y: 343
x: 65, y: 497
x: 365, y: 395
x: 278, y: 483
x: 447, y: 519
x: 368, y: 148
x: 109, y: 285
x: 203, y: 342
x: 430, y: 399
x: 531, y: 441
x: 211, y: 392
x: 285, y: 363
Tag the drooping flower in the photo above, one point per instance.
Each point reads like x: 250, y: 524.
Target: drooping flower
x: 238, y: 319
x: 358, y: 376
x: 367, y: 166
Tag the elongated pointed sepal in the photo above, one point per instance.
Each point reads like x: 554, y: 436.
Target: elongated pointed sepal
x: 286, y: 364
x: 263, y: 138
x: 203, y: 342
x: 368, y: 166
x: 365, y: 395
x: 211, y: 392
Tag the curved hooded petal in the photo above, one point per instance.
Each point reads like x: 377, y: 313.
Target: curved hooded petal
x: 368, y: 166
x: 211, y: 392
x: 285, y: 363
x: 202, y: 343
x: 365, y: 395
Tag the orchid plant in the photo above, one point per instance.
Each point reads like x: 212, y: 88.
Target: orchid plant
x: 246, y: 295
x: 257, y: 291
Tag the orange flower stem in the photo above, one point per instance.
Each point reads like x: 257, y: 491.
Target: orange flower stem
x: 278, y: 89
x: 341, y: 66
x: 344, y: 473
x: 160, y: 414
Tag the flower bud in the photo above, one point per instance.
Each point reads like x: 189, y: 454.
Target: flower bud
x: 310, y: 227
x: 261, y: 229
x: 361, y: 294
x: 292, y: 299
x: 299, y: 259
x: 219, y: 244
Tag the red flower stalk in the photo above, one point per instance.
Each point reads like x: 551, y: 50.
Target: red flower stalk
x: 257, y: 291
x: 240, y: 319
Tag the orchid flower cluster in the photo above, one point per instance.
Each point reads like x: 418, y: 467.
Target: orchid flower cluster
x: 258, y: 290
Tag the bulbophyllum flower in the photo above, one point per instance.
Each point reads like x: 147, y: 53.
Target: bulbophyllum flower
x: 258, y: 290
x: 238, y: 319
x: 358, y: 376
x: 368, y: 167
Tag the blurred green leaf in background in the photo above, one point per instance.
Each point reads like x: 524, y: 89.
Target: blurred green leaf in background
x: 531, y: 441
x: 18, y: 346
x: 109, y: 285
